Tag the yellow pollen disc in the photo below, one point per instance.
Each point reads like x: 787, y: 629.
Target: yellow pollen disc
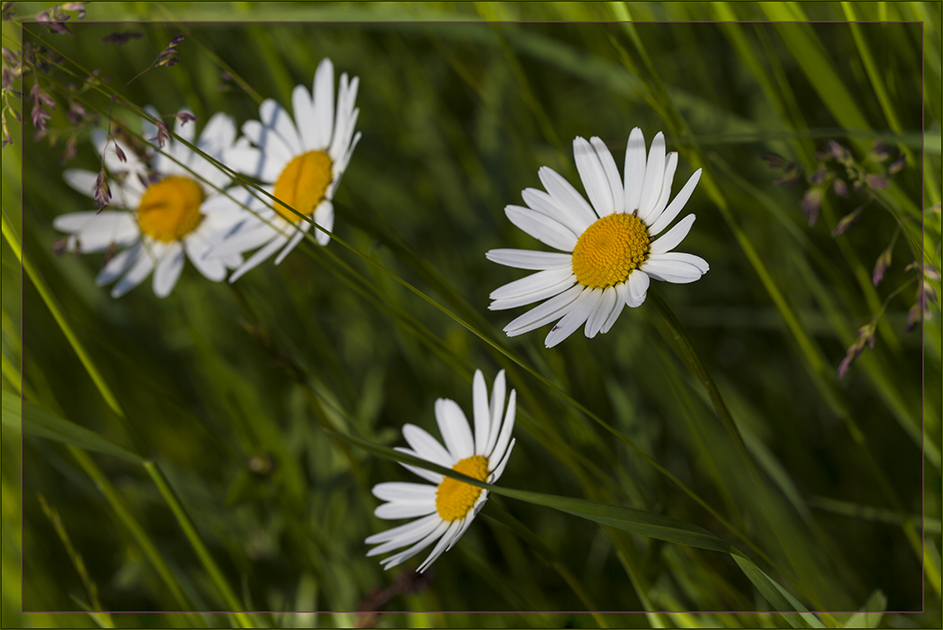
x: 609, y: 250
x: 454, y: 498
x: 170, y: 209
x: 303, y: 184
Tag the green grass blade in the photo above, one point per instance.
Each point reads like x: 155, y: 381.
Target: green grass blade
x: 216, y: 575
x: 46, y: 425
x: 627, y: 519
x: 777, y: 596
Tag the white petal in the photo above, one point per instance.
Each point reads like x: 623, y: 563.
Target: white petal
x: 440, y: 546
x: 634, y: 169
x: 300, y: 231
x: 552, y: 309
x: 612, y: 174
x: 428, y: 475
x: 404, y: 510
x: 465, y: 523
x: 673, y: 237
x: 276, y: 118
x: 135, y: 276
x: 81, y: 181
x: 637, y: 285
x: 304, y: 116
x: 273, y: 147
x: 530, y: 284
x: 542, y: 227
x: 218, y: 135
x: 118, y: 265
x: 404, y: 492
x: 599, y: 316
x: 584, y: 305
x: 529, y: 298
x: 211, y: 268
x: 690, y: 259
x: 392, y: 561
x: 593, y: 176
x: 400, y: 530
x: 676, y: 271
x: 252, y: 234
x: 480, y: 412
x: 168, y: 269
x: 427, y: 447
x: 495, y: 410
x: 543, y: 203
x: 346, y: 118
x: 341, y: 164
x: 323, y: 104
x: 505, y: 436
x: 529, y: 259
x: 247, y: 160
x: 454, y: 428
x: 324, y: 216
x: 654, y: 176
x: 565, y: 196
x: 499, y: 469
x: 665, y: 189
x: 617, y: 309
x: 96, y: 231
x: 676, y: 205
x: 257, y: 258
x: 415, y: 530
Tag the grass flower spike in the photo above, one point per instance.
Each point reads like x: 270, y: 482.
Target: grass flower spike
x: 445, y: 510
x: 165, y: 206
x: 300, y: 161
x: 610, y: 244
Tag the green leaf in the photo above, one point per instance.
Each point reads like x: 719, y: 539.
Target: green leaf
x: 777, y: 596
x: 870, y: 614
x: 43, y: 424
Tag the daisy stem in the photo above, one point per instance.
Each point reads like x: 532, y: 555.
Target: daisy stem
x: 690, y: 357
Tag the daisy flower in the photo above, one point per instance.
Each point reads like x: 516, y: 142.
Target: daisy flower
x: 300, y: 160
x: 162, y: 210
x: 611, y: 249
x: 448, y: 507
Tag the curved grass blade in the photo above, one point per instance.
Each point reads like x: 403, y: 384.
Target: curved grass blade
x: 43, y: 424
x: 627, y: 519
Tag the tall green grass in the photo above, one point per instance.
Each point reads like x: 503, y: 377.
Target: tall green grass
x: 213, y: 452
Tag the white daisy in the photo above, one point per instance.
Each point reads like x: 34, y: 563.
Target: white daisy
x: 301, y: 160
x: 447, y: 508
x: 610, y: 247
x: 164, y: 209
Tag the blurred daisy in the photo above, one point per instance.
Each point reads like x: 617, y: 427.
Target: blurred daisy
x: 166, y: 211
x: 447, y: 508
x: 611, y: 252
x: 301, y: 160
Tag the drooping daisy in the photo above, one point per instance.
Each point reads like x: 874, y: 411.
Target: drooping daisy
x: 301, y: 160
x: 447, y: 508
x: 162, y: 210
x: 611, y: 249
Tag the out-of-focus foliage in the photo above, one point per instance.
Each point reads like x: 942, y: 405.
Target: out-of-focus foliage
x: 225, y: 390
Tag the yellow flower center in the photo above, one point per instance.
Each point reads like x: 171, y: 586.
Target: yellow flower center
x: 303, y: 184
x: 455, y: 498
x: 170, y: 209
x: 609, y: 250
